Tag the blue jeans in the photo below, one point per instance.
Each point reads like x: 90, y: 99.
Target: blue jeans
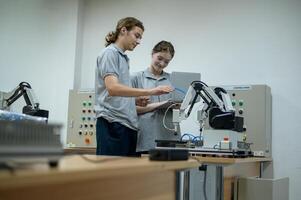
x: 115, y: 139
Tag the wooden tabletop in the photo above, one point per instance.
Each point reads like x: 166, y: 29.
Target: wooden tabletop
x: 84, y: 167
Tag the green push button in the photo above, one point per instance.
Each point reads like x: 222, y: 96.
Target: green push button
x: 233, y: 102
x: 241, y: 102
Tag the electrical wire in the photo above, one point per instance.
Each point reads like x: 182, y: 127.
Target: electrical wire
x: 163, y: 121
x: 191, y: 137
x: 196, y: 138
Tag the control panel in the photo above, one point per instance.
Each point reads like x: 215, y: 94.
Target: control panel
x: 254, y: 104
x: 81, y: 130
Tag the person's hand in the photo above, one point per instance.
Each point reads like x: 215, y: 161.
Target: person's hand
x: 162, y: 89
x: 142, y: 101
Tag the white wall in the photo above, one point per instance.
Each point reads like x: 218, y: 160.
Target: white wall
x: 37, y: 45
x: 54, y: 44
x: 229, y: 42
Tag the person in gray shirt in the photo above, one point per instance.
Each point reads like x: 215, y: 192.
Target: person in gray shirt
x: 117, y: 123
x: 150, y: 117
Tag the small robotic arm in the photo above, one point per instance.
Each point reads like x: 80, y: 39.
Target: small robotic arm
x: 32, y: 105
x: 216, y: 105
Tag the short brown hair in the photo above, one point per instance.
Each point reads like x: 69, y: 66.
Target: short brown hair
x: 128, y: 23
x: 164, y: 46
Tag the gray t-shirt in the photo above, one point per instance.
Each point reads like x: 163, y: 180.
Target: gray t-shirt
x: 151, y: 124
x: 113, y: 61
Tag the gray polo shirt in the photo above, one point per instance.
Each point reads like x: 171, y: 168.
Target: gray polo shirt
x: 151, y: 123
x: 113, y: 61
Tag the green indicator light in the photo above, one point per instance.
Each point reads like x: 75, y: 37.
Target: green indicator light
x: 233, y: 103
x: 241, y: 102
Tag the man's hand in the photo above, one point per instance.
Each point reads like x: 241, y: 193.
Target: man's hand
x: 142, y: 101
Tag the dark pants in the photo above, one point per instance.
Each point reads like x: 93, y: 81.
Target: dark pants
x: 115, y: 139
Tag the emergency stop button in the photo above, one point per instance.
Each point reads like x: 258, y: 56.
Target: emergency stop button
x: 87, y: 140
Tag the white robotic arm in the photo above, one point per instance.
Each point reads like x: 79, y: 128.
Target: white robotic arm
x: 216, y: 105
